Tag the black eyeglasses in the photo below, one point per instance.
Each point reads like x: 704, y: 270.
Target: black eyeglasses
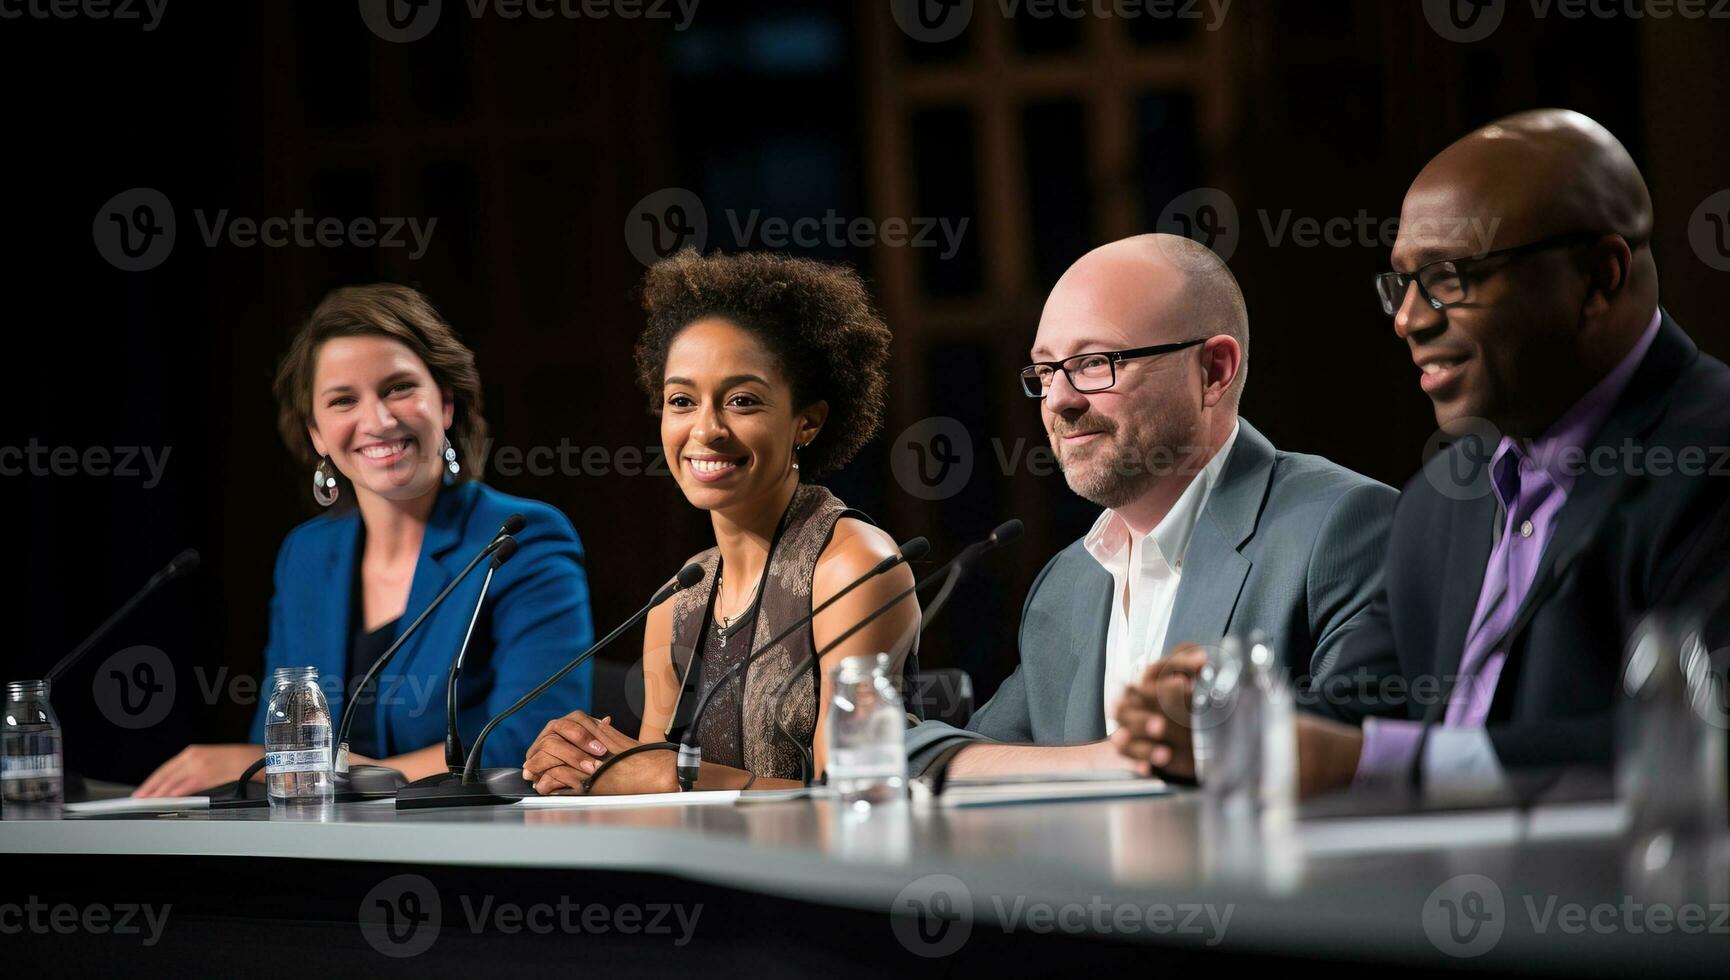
x: 1091, y: 372
x: 1443, y: 283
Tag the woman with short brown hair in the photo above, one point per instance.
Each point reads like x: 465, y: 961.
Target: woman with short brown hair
x: 382, y: 401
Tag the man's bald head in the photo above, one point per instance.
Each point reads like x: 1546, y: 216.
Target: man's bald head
x: 1159, y: 289
x: 1531, y: 175
x: 1523, y: 335
x: 1148, y: 423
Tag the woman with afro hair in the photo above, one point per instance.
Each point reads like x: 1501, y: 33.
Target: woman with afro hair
x: 766, y: 372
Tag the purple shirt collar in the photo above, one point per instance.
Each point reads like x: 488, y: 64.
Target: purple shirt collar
x: 1580, y: 423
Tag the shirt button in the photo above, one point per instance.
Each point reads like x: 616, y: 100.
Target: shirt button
x: 1525, y: 529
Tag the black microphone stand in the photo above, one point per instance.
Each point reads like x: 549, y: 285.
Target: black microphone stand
x: 368, y: 782
x: 507, y: 785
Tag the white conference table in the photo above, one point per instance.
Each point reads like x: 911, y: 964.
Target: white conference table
x: 1557, y: 888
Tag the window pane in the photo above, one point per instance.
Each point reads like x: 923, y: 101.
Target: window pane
x: 1168, y: 162
x: 945, y: 185
x: 1055, y: 145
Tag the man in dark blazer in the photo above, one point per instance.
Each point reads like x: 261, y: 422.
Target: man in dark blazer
x: 1579, y: 495
x: 1208, y: 530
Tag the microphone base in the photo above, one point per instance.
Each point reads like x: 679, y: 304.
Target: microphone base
x: 492, y: 787
x: 359, y: 784
x: 367, y: 782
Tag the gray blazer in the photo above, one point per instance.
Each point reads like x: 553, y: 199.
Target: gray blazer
x: 1288, y: 544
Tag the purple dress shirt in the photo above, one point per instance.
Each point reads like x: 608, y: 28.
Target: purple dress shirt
x: 1532, y: 482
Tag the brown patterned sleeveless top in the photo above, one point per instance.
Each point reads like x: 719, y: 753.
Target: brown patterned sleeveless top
x: 741, y: 732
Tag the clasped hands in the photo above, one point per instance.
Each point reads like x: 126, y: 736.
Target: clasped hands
x: 570, y: 749
x: 1154, y: 729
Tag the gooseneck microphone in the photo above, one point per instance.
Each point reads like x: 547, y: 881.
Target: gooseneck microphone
x: 453, y: 738
x: 374, y: 782
x: 184, y: 562
x: 1003, y: 534
x: 474, y: 788
x: 507, y: 530
x: 690, y: 758
x: 958, y: 566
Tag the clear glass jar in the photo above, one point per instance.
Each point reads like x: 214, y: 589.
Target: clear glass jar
x: 31, y: 772
x: 297, y: 733
x: 867, y: 734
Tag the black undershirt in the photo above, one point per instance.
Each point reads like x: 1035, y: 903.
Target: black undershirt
x: 363, y: 649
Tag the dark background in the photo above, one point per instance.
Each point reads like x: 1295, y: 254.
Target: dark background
x: 531, y: 141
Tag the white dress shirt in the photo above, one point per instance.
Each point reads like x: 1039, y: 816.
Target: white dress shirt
x: 1145, y: 572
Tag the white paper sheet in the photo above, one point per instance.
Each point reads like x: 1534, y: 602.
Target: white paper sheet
x: 137, y: 804
x: 696, y: 798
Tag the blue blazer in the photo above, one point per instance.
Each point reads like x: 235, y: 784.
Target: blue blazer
x: 536, y: 619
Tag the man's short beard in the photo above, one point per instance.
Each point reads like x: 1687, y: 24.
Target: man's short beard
x: 1110, y: 483
x: 1132, y: 469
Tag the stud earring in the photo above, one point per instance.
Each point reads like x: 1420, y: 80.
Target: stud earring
x: 452, y: 467
x: 324, y: 488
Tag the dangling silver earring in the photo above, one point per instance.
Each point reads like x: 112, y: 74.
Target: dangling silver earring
x: 452, y: 467
x: 324, y: 488
x: 796, y: 448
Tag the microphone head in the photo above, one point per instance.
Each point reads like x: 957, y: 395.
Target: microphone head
x: 513, y: 524
x: 184, y: 562
x: 1006, y: 532
x: 690, y: 575
x: 507, y: 548
x: 915, y: 549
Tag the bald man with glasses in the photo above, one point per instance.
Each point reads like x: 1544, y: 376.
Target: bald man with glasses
x: 1206, y: 530
x: 1578, y: 497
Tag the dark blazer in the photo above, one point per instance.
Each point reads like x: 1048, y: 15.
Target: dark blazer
x: 536, y: 619
x: 1616, y: 547
x: 1287, y: 544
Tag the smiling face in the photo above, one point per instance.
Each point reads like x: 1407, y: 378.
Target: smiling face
x: 380, y: 416
x: 728, y: 422
x: 1486, y: 357
x: 1535, y: 329
x: 1113, y: 445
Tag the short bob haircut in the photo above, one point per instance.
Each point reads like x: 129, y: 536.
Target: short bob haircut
x: 816, y: 318
x: 399, y: 313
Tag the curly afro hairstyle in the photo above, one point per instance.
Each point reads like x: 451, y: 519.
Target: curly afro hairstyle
x: 815, y: 318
